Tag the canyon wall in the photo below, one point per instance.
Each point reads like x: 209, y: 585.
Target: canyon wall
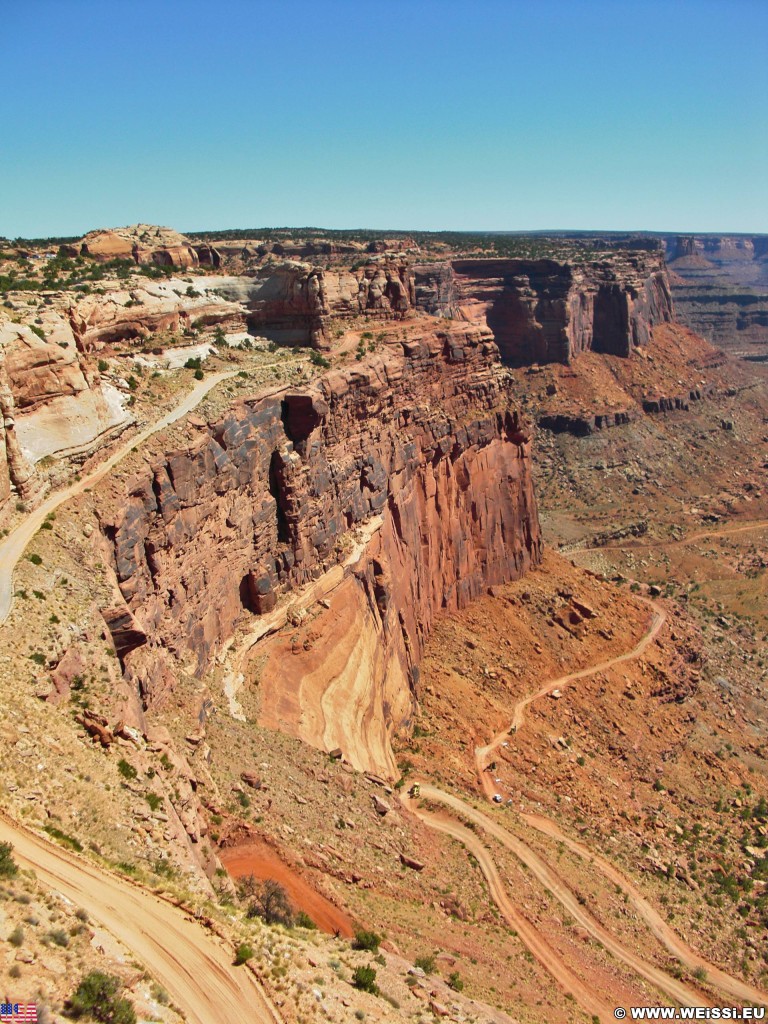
x: 720, y: 286
x: 543, y: 311
x: 134, y: 316
x: 269, y: 498
x: 538, y: 310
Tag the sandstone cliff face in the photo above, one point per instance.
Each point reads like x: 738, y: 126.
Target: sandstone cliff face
x: 38, y: 369
x: 541, y: 311
x: 295, y: 303
x: 136, y: 315
x: 268, y: 498
x: 538, y: 310
x: 720, y: 287
x: 142, y: 243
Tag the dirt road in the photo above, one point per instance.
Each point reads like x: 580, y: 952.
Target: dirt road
x: 760, y: 524
x: 12, y: 548
x: 483, y: 754
x: 528, y: 933
x: 192, y: 964
x: 676, y: 990
x: 740, y: 990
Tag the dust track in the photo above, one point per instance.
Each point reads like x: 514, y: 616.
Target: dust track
x: 192, y: 964
x: 483, y: 754
x: 672, y: 987
x: 12, y: 548
x: 680, y: 542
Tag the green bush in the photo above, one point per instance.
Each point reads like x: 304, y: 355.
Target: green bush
x: 8, y: 866
x: 367, y: 940
x: 64, y: 839
x: 193, y: 363
x: 103, y: 365
x: 126, y: 770
x: 59, y: 937
x: 364, y: 978
x: 16, y: 938
x: 154, y: 800
x: 97, y: 996
x: 303, y: 920
x: 34, y: 558
x: 318, y: 360
x: 199, y: 374
x: 454, y: 980
x: 426, y: 963
x: 243, y: 954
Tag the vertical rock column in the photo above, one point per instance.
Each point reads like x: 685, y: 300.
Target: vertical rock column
x: 18, y: 469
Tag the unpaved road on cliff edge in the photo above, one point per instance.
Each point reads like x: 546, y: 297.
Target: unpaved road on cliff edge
x: 740, y: 990
x: 678, y: 542
x: 191, y: 963
x: 13, y: 547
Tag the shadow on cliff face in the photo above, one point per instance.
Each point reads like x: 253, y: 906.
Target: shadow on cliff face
x: 611, y: 321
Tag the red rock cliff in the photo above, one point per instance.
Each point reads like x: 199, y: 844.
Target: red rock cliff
x: 267, y: 499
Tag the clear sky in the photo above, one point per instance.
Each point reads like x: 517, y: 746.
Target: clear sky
x: 422, y: 114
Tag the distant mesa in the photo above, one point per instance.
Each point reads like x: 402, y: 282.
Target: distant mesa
x: 144, y: 243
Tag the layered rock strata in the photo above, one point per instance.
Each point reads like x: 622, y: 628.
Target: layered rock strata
x: 542, y: 311
x: 134, y: 316
x: 538, y: 310
x: 269, y: 498
x: 140, y: 243
x: 720, y: 286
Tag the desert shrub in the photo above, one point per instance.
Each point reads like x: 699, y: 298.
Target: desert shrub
x: 8, y: 866
x: 369, y: 940
x: 303, y: 920
x: 364, y: 978
x: 64, y: 839
x: 270, y: 902
x: 454, y: 980
x: 103, y: 365
x: 426, y: 963
x: 97, y: 996
x: 199, y: 374
x: 153, y: 800
x: 243, y: 954
x: 16, y: 938
x: 126, y: 770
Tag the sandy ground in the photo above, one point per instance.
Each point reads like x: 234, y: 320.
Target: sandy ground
x: 263, y: 862
x: 193, y: 965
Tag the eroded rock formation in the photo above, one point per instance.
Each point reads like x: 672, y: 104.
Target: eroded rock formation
x: 542, y: 311
x: 135, y: 315
x: 539, y: 310
x: 141, y: 243
x: 268, y: 499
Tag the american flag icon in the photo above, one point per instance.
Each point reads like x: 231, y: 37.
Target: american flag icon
x: 18, y: 1013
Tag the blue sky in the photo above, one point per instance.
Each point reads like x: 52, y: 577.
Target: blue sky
x: 429, y: 114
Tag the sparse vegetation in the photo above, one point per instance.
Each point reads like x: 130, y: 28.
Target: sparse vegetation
x: 367, y: 940
x: 8, y: 866
x: 98, y: 997
x: 364, y: 978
